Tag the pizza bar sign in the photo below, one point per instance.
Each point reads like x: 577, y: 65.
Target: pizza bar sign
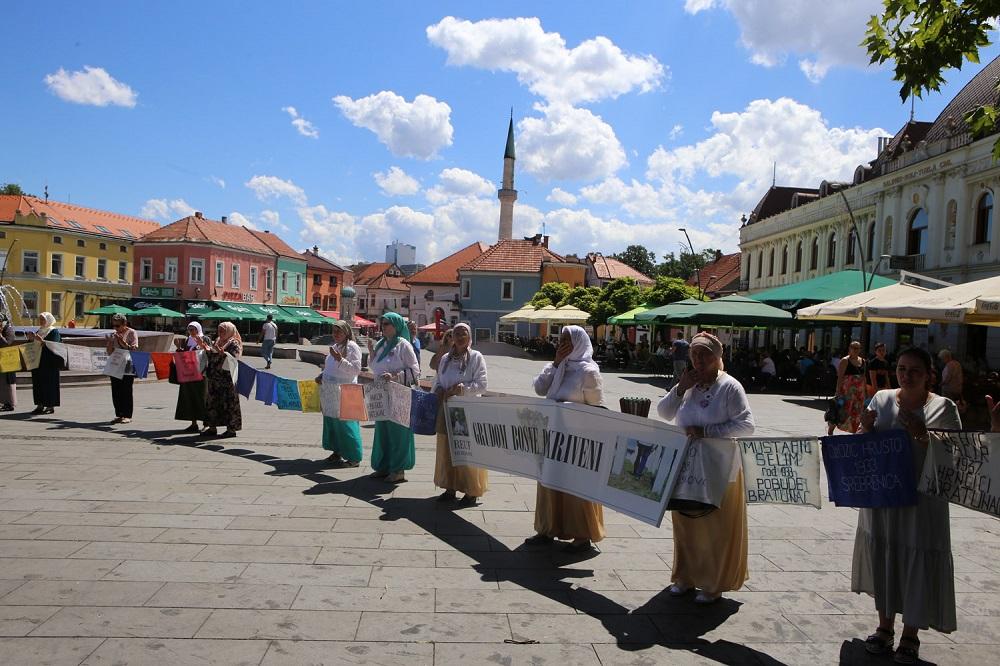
x: 237, y: 296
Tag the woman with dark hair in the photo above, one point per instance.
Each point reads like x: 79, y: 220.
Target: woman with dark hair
x: 902, y: 555
x: 878, y: 369
x: 851, y: 380
x: 8, y: 380
x: 45, y: 378
x: 125, y: 338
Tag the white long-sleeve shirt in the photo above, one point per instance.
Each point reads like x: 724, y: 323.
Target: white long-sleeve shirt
x: 579, y: 384
x: 450, y: 373
x: 399, y: 359
x: 346, y: 370
x: 722, y: 410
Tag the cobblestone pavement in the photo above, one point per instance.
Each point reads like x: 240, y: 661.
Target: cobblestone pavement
x: 134, y: 544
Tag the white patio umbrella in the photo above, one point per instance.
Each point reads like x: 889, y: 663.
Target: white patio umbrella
x: 970, y: 303
x: 541, y: 315
x: 855, y: 307
x: 569, y: 314
x: 519, y: 315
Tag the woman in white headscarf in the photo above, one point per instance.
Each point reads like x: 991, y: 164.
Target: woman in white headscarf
x: 191, y: 396
x: 571, y: 377
x: 462, y: 371
x: 45, y: 378
x: 343, y: 364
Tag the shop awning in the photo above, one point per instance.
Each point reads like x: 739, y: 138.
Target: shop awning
x: 665, y: 313
x: 332, y: 314
x: 241, y: 311
x: 307, y: 315
x: 820, y: 289
x: 737, y: 312
x: 110, y: 310
x: 280, y: 316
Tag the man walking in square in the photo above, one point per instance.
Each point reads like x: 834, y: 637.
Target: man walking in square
x: 269, y: 335
x: 679, y: 351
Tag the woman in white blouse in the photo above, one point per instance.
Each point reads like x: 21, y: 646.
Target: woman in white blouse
x: 393, y: 451
x: 710, y: 552
x: 571, y: 377
x: 342, y: 366
x: 461, y: 371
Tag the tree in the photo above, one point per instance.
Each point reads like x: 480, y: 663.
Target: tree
x: 684, y: 266
x: 924, y: 39
x: 638, y: 258
x: 618, y: 296
x: 669, y: 290
x: 551, y: 293
x: 11, y: 188
x: 584, y: 298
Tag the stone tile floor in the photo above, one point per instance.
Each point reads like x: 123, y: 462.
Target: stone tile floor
x: 137, y: 545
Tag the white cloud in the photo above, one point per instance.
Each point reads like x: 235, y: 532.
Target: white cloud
x: 676, y: 131
x: 271, y: 187
x: 409, y: 129
x: 218, y: 182
x: 336, y: 231
x: 568, y: 144
x: 822, y: 34
x: 92, y: 86
x: 271, y: 219
x: 163, y: 209
x: 304, y: 127
x: 561, y: 197
x: 593, y: 70
x: 241, y: 220
x: 396, y: 183
x: 454, y: 183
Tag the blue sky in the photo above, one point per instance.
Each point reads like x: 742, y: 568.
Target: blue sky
x: 348, y: 125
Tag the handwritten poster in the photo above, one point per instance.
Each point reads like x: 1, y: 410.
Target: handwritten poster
x: 10, y: 359
x: 98, y: 359
x: 377, y: 400
x: 117, y: 363
x: 962, y: 467
x: 329, y: 399
x: 781, y: 471
x: 288, y: 394
x: 31, y: 353
x: 309, y: 395
x: 873, y: 470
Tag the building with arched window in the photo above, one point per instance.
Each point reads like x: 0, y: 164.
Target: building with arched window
x: 924, y: 204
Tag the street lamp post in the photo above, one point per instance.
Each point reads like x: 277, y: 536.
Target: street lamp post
x: 871, y: 277
x: 697, y: 271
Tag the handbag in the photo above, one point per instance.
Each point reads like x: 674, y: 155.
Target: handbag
x: 423, y: 411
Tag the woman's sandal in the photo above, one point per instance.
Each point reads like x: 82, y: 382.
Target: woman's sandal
x: 880, y: 642
x: 908, y: 651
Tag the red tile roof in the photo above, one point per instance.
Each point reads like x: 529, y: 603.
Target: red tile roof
x: 71, y: 217
x: 516, y: 256
x: 370, y: 273
x: 320, y: 262
x: 606, y: 268
x: 721, y: 275
x: 388, y: 282
x: 200, y: 230
x: 280, y: 247
x: 446, y: 270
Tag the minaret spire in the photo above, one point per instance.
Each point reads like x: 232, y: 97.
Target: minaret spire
x: 507, y: 194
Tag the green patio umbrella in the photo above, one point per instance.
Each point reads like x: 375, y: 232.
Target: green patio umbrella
x: 666, y: 313
x: 735, y: 311
x: 628, y: 318
x: 217, y: 314
x: 157, y: 311
x: 820, y: 289
x: 110, y: 310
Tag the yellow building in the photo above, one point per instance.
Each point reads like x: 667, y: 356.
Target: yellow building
x: 66, y: 259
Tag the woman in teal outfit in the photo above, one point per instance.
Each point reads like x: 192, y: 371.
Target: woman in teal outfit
x: 342, y: 438
x: 393, y: 359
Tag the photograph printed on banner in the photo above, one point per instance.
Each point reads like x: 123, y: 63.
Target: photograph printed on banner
x: 636, y: 468
x: 459, y: 424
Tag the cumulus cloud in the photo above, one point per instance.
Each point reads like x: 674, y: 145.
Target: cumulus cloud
x: 409, y: 129
x: 594, y: 69
x: 821, y: 34
x: 303, y: 126
x: 241, y: 220
x: 92, y: 86
x: 568, y: 143
x: 561, y: 197
x: 454, y: 183
x: 164, y: 209
x: 336, y: 231
x: 676, y: 131
x: 396, y: 183
x: 218, y: 182
x: 266, y: 188
x: 271, y: 219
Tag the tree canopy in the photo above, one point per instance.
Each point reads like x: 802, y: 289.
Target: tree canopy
x: 11, y: 188
x: 551, y: 293
x: 669, y: 290
x: 638, y: 258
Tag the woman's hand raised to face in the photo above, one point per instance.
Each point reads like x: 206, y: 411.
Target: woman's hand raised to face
x: 563, y: 351
x: 687, y: 379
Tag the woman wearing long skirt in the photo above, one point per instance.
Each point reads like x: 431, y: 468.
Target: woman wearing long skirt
x: 45, y: 378
x: 222, y: 402
x: 852, y: 374
x: 343, y: 364
x: 125, y: 338
x: 191, y: 395
x: 394, y: 450
x: 8, y: 380
x: 572, y: 377
x: 902, y: 555
x: 462, y: 371
x: 710, y: 552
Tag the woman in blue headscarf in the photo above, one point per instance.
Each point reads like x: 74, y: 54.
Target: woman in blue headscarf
x: 393, y: 359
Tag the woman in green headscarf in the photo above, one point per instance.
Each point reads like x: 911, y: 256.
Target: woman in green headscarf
x: 393, y: 359
x: 342, y: 438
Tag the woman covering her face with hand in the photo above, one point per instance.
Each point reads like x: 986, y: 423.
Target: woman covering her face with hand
x: 343, y: 364
x: 462, y: 371
x: 710, y: 552
x: 222, y: 402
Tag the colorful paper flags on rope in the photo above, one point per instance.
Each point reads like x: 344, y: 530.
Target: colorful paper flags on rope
x: 245, y: 377
x: 140, y: 363
x: 267, y: 388
x: 161, y: 363
x: 309, y: 395
x: 10, y: 359
x: 288, y: 394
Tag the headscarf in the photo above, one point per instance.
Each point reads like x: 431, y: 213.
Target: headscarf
x: 451, y: 352
x: 709, y: 341
x: 581, y: 358
x: 346, y: 328
x: 50, y: 322
x: 191, y: 342
x: 227, y: 331
x: 386, y: 344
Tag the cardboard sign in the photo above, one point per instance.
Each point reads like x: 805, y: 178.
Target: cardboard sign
x: 32, y: 354
x: 288, y: 394
x: 309, y: 395
x: 873, y: 470
x: 117, y: 363
x: 781, y: 470
x: 329, y: 399
x: 961, y: 467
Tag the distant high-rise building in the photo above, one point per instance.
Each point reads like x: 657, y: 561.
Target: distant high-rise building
x: 400, y: 254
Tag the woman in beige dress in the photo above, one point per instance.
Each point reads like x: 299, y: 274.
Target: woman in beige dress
x: 461, y: 371
x: 571, y: 377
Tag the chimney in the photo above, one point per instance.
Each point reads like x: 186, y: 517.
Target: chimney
x: 225, y: 219
x: 198, y: 214
x: 545, y: 241
x: 316, y: 250
x: 718, y: 255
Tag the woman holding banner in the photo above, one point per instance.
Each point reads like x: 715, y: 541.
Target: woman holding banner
x: 393, y: 451
x: 711, y: 551
x: 462, y: 371
x: 222, y: 402
x: 8, y: 380
x: 125, y: 338
x: 45, y: 378
x: 191, y: 395
x: 572, y: 377
x: 902, y: 555
x: 343, y: 364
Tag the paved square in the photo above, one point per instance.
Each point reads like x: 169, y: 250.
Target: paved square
x: 135, y: 544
